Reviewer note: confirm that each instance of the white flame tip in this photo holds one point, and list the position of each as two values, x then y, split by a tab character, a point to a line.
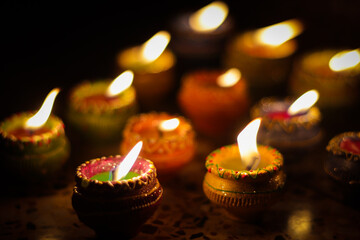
40	118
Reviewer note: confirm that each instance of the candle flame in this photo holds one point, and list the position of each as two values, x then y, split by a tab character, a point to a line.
124	167
154	47
43	114
169	125
344	60
304	102
247	145
209	17
121	83
229	78
277	34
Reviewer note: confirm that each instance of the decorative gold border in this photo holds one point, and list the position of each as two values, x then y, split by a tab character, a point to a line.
126	184
275	166
56	129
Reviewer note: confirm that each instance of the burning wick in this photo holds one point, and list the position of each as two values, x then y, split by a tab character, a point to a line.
124	167
304	102
120	84
40	118
246	139
168	126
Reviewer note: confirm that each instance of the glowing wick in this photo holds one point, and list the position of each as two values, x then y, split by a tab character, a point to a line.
209	17
279	33
169	125
154	47
246	139
304	102
229	78
121	83
124	167
344	60
43	114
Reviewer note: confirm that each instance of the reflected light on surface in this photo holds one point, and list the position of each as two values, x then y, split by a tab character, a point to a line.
300	222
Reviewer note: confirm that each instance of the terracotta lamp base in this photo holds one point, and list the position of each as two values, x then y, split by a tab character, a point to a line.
116	208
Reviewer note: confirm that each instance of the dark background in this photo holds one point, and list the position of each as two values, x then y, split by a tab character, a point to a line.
59	44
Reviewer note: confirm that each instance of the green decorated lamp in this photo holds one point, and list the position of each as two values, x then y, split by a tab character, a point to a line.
99	110
34	147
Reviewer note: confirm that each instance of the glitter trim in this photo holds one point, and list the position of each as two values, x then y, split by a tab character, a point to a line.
121	185
334	146
274	167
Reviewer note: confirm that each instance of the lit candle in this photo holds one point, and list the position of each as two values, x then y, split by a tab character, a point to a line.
214	100
342	163
169	140
121	204
34	146
202	34
335	74
264	56
99	110
289	125
244	178
153	67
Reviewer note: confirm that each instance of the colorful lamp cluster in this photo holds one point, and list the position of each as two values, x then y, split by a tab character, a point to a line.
119	193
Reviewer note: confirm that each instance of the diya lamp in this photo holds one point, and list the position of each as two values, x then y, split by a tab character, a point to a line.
264	56
214	100
169	141
244	178
202	34
34	146
335	74
290	126
343	161
99	110
153	67
116	195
